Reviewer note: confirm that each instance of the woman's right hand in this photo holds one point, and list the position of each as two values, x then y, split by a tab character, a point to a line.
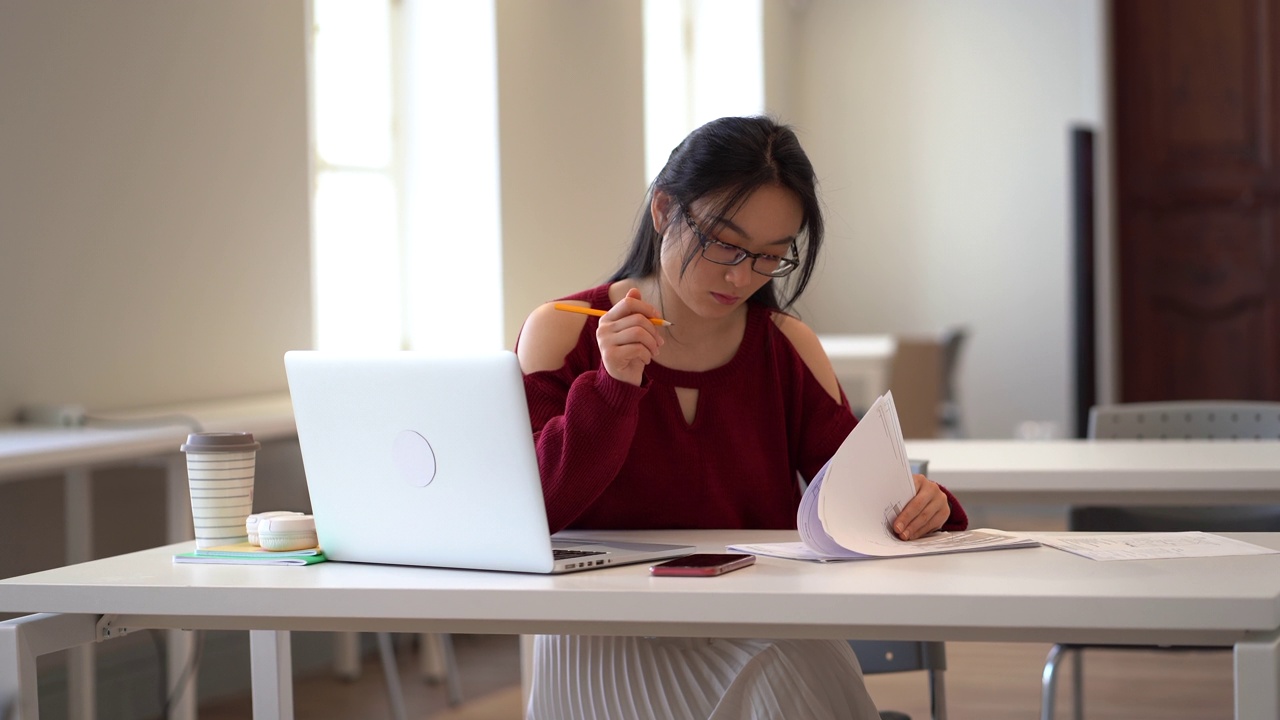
627	340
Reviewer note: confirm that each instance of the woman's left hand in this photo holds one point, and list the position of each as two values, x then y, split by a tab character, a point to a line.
926	512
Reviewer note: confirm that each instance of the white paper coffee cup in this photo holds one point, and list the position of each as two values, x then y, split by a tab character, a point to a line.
220	468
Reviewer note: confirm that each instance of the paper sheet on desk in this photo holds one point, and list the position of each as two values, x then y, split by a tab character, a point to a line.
1149	546
847	510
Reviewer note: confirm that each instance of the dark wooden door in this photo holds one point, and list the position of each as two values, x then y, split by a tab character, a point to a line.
1197	143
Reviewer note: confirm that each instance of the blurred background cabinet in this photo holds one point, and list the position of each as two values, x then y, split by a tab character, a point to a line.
1197	144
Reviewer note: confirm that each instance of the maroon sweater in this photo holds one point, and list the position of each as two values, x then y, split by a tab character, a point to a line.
616	456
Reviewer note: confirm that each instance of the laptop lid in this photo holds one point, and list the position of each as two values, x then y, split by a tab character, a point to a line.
421	459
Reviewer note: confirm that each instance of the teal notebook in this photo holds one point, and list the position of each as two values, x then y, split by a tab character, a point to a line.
246	554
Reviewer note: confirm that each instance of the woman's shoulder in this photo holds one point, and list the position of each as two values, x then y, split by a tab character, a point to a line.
596	297
809	348
549	335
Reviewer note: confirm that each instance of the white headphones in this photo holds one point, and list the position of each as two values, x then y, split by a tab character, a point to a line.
281	530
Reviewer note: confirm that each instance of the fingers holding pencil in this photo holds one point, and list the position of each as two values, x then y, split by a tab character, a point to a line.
627	336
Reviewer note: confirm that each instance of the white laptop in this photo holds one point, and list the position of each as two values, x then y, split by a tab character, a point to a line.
417	459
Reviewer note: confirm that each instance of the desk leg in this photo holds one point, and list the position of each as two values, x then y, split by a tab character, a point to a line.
82	696
1257	673
346	655
180	646
24	639
272	663
19	696
180	643
437	663
431	662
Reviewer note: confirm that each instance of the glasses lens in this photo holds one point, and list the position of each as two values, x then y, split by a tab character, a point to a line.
718	252
773	266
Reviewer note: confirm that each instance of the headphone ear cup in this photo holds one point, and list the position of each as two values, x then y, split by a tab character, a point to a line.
253	521
287	532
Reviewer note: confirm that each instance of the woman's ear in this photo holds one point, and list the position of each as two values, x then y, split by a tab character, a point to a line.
660	210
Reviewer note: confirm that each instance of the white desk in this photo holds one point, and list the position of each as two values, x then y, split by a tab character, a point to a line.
1104	472
1031	595
27	452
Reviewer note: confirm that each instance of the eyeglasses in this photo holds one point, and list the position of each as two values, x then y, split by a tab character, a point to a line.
722	253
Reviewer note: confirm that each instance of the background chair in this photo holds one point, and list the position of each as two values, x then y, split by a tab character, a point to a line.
914	377
1227	421
887	656
949	417
443	645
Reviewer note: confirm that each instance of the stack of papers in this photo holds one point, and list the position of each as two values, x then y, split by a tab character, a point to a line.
246	554
847	510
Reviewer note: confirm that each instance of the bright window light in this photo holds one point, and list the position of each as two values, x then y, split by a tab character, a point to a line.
353	93
666	82
703	59
452	210
356	262
406	230
727	58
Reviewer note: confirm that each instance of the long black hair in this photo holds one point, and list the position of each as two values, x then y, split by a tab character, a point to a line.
728	159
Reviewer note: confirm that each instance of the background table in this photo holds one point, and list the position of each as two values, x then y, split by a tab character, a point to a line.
27	451
1032	595
1104	472
144	435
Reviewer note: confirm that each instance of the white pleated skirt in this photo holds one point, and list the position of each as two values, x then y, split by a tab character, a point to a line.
636	678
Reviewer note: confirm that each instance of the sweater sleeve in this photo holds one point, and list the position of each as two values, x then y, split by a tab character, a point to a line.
582	428
959	519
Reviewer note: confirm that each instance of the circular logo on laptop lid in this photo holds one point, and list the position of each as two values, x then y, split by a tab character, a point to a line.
414	458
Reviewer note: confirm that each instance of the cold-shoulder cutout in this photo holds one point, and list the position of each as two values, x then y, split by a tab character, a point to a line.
807	345
547	337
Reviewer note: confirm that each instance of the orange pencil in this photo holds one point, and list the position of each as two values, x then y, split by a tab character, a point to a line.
593	311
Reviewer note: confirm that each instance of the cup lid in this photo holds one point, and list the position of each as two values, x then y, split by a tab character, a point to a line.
220	442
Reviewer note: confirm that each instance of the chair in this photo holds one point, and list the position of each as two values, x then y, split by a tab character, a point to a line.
915	374
887	656
1226	421
391	671
949	418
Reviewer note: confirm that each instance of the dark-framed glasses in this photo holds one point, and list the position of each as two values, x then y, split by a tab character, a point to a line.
723	253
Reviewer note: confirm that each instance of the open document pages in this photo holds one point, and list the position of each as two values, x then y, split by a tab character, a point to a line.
848	508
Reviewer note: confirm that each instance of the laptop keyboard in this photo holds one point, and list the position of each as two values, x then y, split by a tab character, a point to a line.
563	554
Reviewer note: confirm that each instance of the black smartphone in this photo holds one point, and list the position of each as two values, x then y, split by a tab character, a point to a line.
703	564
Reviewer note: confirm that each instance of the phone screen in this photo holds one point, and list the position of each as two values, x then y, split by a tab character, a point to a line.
703	564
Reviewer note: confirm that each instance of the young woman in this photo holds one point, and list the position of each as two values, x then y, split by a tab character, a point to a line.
703	423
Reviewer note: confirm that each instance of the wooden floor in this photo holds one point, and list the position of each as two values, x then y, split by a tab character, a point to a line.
984	681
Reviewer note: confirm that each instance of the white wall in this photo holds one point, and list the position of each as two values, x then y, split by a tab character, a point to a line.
571	145
153	178
939	131
154	222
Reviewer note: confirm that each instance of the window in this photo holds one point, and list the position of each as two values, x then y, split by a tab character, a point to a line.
703	59
357	243
406	231
407	228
